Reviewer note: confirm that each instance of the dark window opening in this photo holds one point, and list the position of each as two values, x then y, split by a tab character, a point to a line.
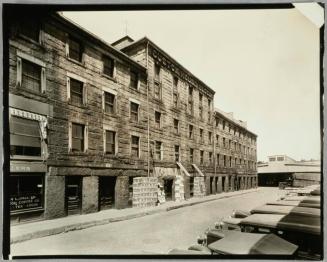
77	137
75	49
134	111
176	126
176	153
31	76
134	80
110	142
135	146
157	116
108	66
76	91
31	29
109	102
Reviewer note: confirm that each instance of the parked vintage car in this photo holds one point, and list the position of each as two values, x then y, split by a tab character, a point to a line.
294	203
284	210
304	231
238	243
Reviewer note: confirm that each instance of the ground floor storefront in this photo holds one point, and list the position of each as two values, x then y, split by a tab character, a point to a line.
53	192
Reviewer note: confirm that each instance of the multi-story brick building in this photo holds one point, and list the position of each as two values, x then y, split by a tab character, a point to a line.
87	117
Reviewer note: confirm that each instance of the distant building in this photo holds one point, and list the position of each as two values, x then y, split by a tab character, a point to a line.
280	168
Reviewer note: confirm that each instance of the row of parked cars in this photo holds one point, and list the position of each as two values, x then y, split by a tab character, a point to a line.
290	226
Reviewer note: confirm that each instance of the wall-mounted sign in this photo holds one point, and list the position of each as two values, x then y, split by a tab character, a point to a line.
18	203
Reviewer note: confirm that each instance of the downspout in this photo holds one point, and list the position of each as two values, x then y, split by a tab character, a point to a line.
147	98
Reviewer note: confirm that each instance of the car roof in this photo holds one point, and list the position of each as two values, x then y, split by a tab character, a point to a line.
283	210
289	222
252	243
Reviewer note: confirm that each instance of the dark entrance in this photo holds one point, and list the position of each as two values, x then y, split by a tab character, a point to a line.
130	191
191	186
73	195
211	187
223	183
216	184
107	192
168	188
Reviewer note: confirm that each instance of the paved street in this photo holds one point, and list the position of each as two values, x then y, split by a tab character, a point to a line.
151	234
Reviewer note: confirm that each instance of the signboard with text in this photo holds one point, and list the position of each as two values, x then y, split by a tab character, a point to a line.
19	203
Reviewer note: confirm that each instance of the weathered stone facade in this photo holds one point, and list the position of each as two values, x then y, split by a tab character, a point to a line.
175	121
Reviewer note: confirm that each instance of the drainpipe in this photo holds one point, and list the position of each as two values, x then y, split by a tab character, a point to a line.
147	98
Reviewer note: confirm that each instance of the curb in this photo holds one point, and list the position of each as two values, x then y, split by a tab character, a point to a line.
84	225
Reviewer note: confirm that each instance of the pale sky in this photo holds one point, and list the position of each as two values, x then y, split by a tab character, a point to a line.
262	64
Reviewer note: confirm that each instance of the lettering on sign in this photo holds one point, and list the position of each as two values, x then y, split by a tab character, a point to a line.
18	203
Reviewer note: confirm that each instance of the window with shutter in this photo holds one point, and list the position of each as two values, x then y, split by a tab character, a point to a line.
25	138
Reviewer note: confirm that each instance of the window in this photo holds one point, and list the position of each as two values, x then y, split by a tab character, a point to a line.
27	187
25	139
175	92
210	158
176	126
191	155
218	164
156	72
75	49
190	100
31	29
110	142
134	80
175	83
158	150
224	125
157	118
77	137
217	140
31	76
109	102
201	134
217	122
229	144
135	146
224	142
280	158
176	153
201	157
134	112
190	130
175	100
76	91
210	137
200	106
230	161
157	90
108	66
224	161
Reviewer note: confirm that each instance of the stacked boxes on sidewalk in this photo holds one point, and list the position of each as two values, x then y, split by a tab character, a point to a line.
90	122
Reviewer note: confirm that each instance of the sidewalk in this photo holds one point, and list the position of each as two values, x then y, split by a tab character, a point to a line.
24	232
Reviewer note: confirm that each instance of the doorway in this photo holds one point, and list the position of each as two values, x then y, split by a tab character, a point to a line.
191	186
168	188
107	192
211	185
73	195
223	184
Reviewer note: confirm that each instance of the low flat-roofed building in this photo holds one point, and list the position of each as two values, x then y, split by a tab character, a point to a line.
280	168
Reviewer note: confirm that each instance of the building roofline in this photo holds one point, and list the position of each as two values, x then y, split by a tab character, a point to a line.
99	40
122	39
146	39
233	120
